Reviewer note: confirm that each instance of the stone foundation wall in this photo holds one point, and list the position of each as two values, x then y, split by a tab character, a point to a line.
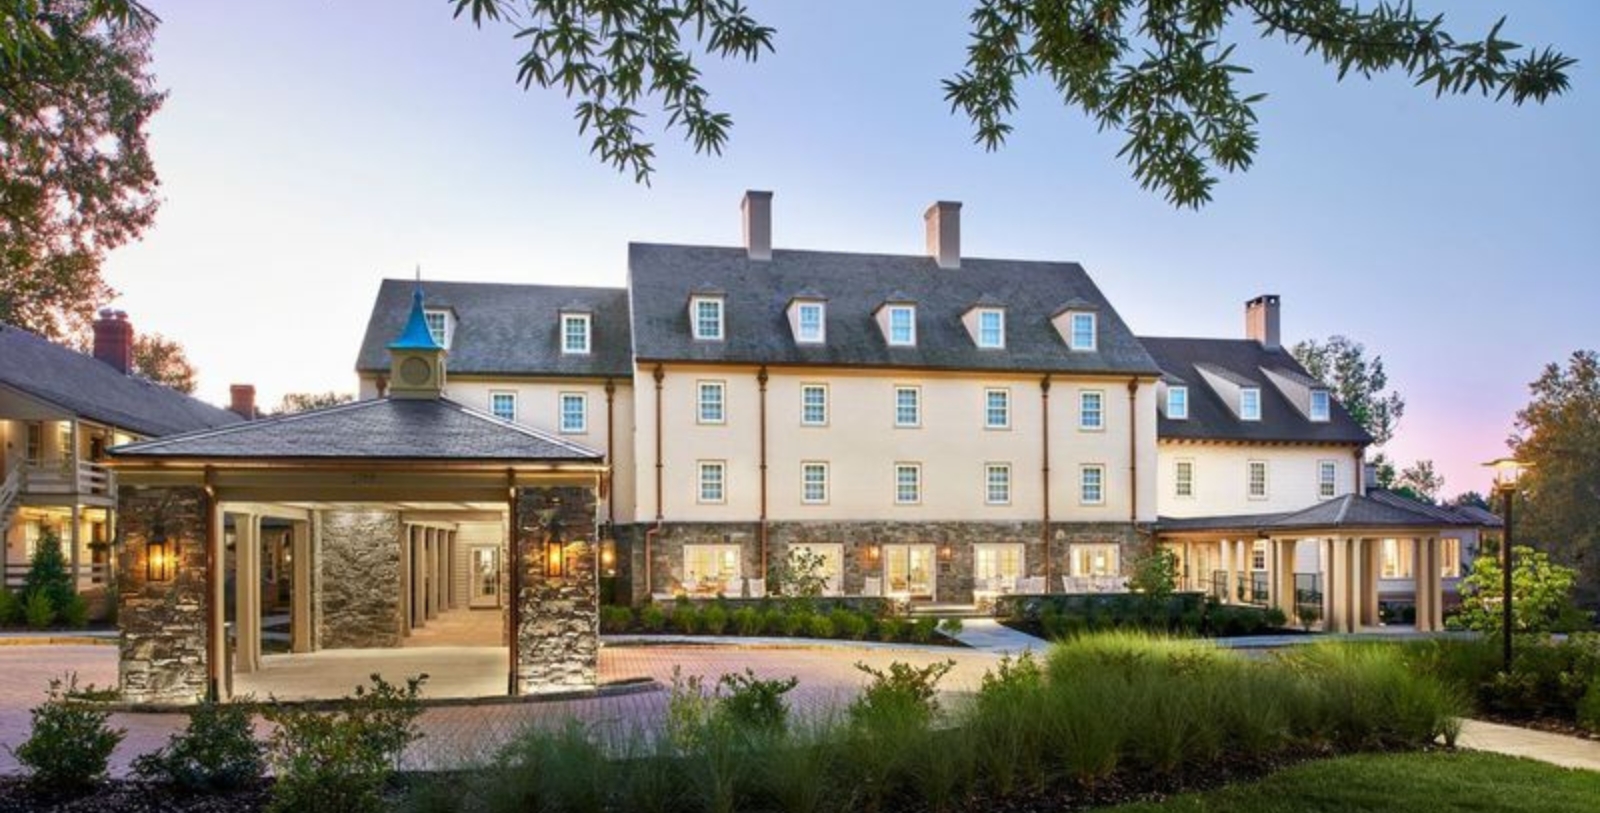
558	632
162	646
358	579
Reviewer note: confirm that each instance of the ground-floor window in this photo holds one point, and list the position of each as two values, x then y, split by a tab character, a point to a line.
709	568
1258	555
1397	559
997	566
1450	559
831	564
1101	559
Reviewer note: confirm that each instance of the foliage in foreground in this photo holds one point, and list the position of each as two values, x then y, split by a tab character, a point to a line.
342	759
1541	594
1550	678
70	743
216	753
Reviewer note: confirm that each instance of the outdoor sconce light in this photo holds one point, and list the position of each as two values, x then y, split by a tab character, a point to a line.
158	561
873	552
608	556
552	557
946	553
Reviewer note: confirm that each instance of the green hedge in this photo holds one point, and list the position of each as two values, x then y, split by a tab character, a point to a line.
1071	615
1551	677
849	620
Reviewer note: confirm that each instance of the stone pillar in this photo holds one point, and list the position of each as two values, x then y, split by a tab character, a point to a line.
1370	573
162	646
300	606
558	630
359	570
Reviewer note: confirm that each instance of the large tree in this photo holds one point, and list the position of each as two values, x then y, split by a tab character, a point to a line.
1558	437
1162	72
76	179
1360	383
163	361
293	402
1420	481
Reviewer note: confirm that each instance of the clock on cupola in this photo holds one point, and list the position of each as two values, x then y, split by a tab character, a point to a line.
416	360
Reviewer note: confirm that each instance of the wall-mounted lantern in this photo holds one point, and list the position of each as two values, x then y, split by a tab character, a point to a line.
874	552
946	553
553	556
608	556
159	561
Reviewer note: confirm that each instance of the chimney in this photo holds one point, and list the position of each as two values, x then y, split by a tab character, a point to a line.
757	209
943	220
242	400
1261	321
113	340
1369	478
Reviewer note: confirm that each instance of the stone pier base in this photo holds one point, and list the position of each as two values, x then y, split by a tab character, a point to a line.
162	648
558	635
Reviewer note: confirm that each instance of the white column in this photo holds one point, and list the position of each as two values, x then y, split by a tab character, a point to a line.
434	594
300	601
216	605
1369	577
1331	575
247	592
75	535
1358	587
419	580
1436	578
1419	578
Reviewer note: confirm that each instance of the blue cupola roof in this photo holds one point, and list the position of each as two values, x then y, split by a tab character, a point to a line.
416	335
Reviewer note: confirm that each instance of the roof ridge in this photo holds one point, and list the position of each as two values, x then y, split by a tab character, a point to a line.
199	434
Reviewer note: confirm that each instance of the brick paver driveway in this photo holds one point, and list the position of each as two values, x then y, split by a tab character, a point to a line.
457	734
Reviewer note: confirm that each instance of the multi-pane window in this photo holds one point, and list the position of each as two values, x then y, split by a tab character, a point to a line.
1250	404
1327	479
575	333
1083	331
712	402
1320	405
813	483
997	409
997	483
710	565
1178	403
1257	480
814	404
907	483
1450	559
1397	560
713	481
574	412
808	322
1183	481
902	325
503	405
997	561
707	313
1097	559
992	328
1092	485
907	406
438	326
1258	555
1091	410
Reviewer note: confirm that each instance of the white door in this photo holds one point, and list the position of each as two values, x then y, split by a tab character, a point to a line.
485	576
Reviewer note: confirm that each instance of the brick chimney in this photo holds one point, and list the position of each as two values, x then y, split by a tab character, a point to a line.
113	340
1261	321
242	400
757	210
943	221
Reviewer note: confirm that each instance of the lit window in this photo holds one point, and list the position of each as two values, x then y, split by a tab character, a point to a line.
902	325
1319	405
575	333
907	406
1083	331
1096	560
503	405
830	557
713	481
809	322
1091	410
711	566
992	328
813	483
997	409
1092	485
907	483
1397	559
1450	559
1250	404
1178	403
707	318
438	326
1258	555
997	484
991	562
1184	481
814	404
1258	480
712	402
574	412
1327	479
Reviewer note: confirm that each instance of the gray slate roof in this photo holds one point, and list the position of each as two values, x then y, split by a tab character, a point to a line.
92	389
1378	508
507	329
380	429
662	277
1243	361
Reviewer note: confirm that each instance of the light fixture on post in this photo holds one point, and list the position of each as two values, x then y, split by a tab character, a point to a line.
158	559
1507	471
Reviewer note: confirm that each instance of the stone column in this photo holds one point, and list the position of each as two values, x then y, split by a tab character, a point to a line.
359	566
162	643
558	630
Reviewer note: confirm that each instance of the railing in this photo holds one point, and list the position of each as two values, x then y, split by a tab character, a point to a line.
66	477
10	488
1253	588
90	574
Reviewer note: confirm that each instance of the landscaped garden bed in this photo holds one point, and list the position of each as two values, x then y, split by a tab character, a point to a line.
1058	616
1553	685
846	619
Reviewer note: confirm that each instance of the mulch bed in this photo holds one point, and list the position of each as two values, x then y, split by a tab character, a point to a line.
1549	725
126	796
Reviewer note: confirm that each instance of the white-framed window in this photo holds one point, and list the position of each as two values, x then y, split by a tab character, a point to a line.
1250	404
814	404
1092	484
1256	479
1327	479
814	482
832	561
997	483
1321	405
1258	555
1183	479
907	483
991	328
710	565
996	408
574	412
707	321
711	403
1096	559
503	405
1091	410
902	325
1397	561
713	482
1450	559
810	323
438	326
1178	403
575	333
1003	562
907	406
1084	331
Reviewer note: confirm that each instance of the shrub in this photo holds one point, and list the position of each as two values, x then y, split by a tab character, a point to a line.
746	621
1276	618
217	752
901	690
922	628
714	620
10	608
755	704
1308	615
1541	592
47	577
615	619
652	618
951	627
795	622
774	621
891	628
1589	708
850	625
70	744
341	759
819	626
685	618
40	612
75	613
1155	574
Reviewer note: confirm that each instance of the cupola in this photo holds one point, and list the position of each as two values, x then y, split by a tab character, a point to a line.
416	361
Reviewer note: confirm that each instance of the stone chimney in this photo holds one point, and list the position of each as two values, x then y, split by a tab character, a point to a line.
242	400
943	220
1261	321
113	340
757	209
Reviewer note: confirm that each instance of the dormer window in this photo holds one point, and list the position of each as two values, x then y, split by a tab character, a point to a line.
902	325
1178	403
809	323
439	326
1084	331
575	333
1320	405
991	328
1250	404
706	318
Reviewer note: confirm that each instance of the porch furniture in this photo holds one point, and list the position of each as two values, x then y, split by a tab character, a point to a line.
872	586
756	587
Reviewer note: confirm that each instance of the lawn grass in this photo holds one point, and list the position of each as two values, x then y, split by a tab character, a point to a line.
1377	783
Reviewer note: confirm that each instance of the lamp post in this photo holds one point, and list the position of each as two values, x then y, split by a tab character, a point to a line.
1506	473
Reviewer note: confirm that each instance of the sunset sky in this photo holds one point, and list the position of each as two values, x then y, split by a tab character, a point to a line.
309	149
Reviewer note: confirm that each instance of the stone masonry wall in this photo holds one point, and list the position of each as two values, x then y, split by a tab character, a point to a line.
558	634
358	579
162	646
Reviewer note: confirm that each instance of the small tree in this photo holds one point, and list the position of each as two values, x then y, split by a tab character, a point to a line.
1155	574
801	574
47	575
1541	593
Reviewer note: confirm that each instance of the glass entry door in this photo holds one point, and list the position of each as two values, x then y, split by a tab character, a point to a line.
485	576
909	570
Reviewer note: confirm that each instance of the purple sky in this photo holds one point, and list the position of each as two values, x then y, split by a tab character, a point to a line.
309	149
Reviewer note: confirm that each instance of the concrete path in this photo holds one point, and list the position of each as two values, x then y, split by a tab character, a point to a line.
1556	749
992	637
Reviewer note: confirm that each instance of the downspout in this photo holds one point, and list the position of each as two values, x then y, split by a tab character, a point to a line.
1044	530
1361	471
611	454
514	612
1133	451
761	378
659	375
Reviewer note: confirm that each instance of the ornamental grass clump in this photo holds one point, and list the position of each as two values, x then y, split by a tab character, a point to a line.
1365	696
